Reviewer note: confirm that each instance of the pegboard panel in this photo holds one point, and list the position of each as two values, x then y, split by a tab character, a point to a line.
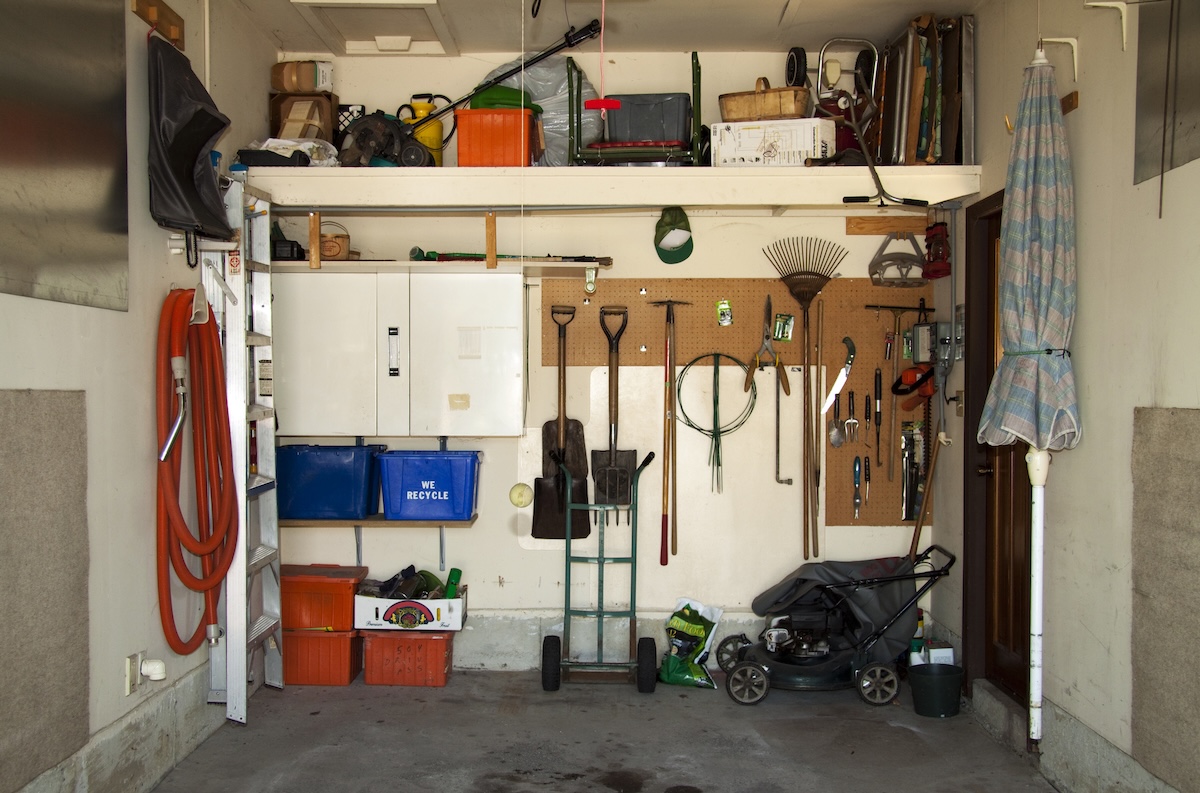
841	306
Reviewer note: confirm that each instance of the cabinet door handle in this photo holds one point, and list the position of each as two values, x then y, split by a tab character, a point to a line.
393	352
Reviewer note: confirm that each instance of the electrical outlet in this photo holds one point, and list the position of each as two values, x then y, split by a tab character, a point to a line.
133	672
959	408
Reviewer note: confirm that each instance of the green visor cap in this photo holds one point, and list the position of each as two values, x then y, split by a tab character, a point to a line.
673	236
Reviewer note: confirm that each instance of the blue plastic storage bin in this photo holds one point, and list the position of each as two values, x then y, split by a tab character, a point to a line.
327	482
429	485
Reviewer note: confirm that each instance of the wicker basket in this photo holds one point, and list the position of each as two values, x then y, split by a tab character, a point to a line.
765	103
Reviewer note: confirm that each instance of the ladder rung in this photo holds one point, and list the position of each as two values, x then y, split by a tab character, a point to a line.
605	560
257	484
257	267
257	412
263	627
259	558
257	339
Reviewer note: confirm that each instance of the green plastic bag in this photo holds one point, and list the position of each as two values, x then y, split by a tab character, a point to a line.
690	632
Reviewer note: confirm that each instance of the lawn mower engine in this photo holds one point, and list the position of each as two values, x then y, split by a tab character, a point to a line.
803	634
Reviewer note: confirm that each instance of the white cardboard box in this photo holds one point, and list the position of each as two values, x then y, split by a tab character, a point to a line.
410	615
940	653
765	143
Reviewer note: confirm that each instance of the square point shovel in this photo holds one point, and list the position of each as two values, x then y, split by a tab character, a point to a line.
613	469
562	448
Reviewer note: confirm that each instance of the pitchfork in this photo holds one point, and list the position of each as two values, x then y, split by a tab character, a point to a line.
851	425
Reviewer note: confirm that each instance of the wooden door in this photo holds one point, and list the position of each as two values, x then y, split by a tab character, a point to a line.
996	487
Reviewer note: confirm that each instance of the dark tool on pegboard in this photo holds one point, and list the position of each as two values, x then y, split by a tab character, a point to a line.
766	354
613	470
670	515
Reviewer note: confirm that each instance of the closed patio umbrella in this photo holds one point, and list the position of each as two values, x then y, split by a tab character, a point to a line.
1032	394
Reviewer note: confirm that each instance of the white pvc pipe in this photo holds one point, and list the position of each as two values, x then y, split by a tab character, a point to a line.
1038	462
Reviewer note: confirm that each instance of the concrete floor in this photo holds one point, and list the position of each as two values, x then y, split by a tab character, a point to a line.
498	732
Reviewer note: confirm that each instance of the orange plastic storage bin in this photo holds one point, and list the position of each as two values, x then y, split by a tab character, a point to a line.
319	595
495	137
321	658
407	659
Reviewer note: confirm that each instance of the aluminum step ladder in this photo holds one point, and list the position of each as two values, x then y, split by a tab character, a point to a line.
249	652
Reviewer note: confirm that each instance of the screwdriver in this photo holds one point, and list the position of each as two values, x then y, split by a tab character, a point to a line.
867	478
878	414
857	485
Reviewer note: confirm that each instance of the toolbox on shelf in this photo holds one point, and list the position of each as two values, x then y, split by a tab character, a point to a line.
327	482
646	117
500	136
435	485
318	597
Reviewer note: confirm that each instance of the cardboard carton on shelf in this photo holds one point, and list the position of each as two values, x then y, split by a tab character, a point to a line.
304	115
443	614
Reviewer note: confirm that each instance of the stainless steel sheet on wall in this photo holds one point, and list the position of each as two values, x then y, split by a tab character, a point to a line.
1168	88
63	201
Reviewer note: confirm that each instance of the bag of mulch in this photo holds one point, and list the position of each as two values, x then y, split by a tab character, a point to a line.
690	632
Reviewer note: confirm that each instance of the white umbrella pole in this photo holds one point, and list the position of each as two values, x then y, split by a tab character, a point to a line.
1038	461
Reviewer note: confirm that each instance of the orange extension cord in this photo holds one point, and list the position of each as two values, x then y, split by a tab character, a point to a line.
216	495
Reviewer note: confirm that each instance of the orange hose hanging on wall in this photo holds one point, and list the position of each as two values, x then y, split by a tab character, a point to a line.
196	350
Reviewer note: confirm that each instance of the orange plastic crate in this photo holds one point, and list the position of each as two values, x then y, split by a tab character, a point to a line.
321	658
407	659
495	137
319	595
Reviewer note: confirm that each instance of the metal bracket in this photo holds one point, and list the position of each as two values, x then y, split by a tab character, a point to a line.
589	284
1121	6
1074	42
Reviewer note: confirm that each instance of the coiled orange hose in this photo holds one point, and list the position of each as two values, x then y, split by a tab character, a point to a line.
216	493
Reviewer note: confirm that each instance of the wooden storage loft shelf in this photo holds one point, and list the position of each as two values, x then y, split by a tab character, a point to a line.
525	190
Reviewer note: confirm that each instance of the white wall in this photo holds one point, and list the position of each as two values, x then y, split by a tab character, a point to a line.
110	356
1131	344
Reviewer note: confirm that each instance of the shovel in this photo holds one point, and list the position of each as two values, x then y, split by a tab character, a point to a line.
836	434
562	441
613	470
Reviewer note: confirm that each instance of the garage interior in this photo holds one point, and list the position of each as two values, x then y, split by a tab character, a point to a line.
80	304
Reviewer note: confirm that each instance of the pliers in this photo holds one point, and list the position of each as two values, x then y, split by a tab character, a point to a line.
766	353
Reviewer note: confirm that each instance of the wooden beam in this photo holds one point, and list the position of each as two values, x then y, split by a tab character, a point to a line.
314	240
490	232
878	226
162	18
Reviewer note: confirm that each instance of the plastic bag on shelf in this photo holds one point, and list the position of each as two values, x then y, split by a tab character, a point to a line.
546	83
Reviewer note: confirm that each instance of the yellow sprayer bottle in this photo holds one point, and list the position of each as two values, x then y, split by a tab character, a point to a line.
428	134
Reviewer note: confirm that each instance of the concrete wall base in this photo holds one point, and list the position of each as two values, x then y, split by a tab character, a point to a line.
134	753
1072	757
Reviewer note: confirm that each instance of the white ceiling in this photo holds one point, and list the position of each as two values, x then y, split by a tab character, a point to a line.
466	26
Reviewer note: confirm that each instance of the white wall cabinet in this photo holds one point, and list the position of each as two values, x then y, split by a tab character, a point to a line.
394	354
467	354
341	356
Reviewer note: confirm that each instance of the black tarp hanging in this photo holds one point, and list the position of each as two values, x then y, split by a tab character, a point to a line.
185	124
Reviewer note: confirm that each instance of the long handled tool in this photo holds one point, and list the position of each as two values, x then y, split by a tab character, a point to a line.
805	265
613	470
562	440
670	518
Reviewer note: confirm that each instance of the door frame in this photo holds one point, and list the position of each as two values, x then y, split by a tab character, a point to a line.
977	380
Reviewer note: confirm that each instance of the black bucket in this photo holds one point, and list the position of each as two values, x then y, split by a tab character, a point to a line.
935	689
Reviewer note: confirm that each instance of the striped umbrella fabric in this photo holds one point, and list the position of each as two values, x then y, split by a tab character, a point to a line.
1032	394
